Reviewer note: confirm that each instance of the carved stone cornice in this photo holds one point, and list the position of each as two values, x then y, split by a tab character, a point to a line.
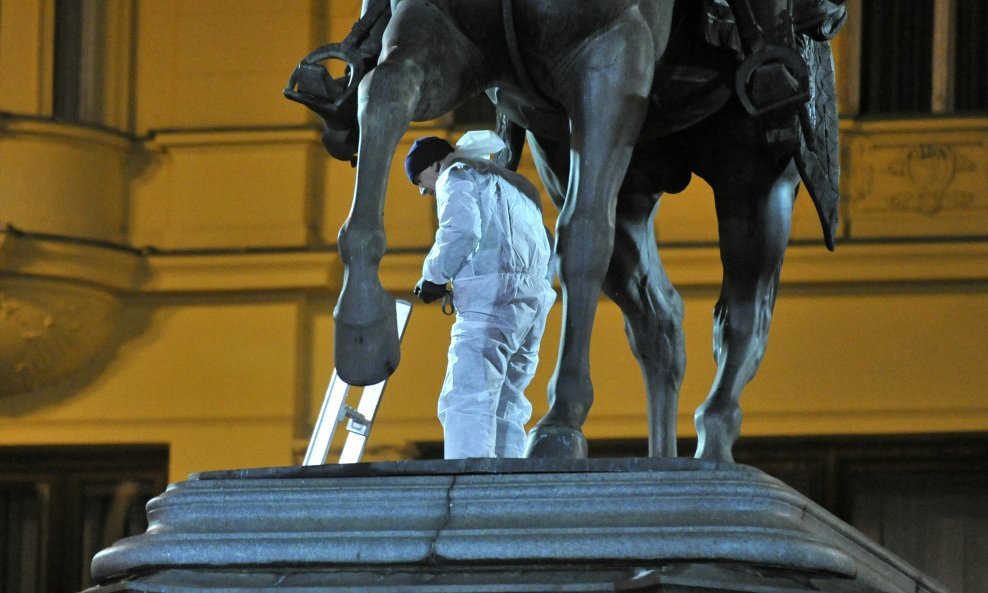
851	263
238	272
111	268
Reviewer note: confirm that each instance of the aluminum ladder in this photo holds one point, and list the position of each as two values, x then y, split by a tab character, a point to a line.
359	420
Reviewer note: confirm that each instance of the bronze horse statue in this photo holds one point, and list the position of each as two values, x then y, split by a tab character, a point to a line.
620	100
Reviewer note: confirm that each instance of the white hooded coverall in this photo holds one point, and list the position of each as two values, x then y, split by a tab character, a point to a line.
493	246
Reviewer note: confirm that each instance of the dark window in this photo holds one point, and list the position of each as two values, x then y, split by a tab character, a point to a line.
61	505
80	43
23	535
971	56
896	57
68	59
937	521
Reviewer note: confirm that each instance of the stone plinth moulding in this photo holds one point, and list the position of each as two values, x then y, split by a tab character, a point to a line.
498	526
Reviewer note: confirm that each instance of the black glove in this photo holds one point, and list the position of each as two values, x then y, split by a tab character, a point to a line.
429	291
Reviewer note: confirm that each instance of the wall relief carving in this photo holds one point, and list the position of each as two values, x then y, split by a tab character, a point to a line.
60	310
922	182
932	169
923	178
50	330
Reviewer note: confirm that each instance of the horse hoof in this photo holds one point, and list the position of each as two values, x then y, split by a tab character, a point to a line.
717	429
367	354
715	440
718	452
557	442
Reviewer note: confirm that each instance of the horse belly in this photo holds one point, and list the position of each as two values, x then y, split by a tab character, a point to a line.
515	105
550	30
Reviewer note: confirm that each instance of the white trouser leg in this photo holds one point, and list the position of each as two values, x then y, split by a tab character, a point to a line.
475	372
514	409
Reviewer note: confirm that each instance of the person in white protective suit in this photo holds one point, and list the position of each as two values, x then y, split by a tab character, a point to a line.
492	245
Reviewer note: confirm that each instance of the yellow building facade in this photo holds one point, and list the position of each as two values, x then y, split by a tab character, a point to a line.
168	270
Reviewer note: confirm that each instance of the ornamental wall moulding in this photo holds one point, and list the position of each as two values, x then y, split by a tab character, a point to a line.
931	178
50	330
60	308
918	184
50	168
931	170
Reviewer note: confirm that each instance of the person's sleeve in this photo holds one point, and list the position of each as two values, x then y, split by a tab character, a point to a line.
459	227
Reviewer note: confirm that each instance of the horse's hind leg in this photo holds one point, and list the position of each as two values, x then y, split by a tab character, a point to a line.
754	214
653	314
606	104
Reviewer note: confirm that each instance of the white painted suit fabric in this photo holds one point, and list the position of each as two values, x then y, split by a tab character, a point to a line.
492	244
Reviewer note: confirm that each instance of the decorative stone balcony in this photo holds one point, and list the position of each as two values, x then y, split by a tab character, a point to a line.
59	302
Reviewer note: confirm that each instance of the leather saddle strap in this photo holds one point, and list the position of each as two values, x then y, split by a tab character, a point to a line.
750	33
365	23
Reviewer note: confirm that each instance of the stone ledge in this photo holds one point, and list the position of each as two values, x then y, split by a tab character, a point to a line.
186	138
590	523
123	269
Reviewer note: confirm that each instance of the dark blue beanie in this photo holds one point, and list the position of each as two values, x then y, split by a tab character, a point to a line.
424	152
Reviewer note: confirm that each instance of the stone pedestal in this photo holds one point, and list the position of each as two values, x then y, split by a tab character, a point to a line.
488	525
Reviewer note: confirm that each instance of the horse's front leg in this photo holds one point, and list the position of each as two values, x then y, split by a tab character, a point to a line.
606	101
426	67
754	215
366	348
